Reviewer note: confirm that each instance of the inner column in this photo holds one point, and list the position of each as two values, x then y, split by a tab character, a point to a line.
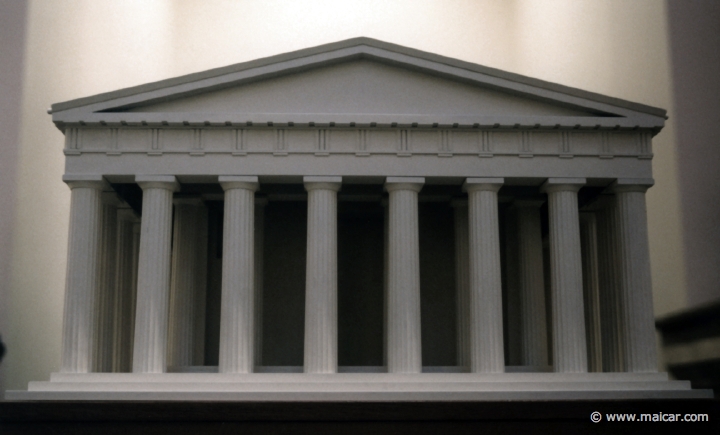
188	282
534	349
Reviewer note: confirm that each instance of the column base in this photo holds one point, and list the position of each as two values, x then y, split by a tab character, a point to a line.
362	387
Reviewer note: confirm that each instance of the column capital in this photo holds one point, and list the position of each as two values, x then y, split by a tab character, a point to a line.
404	183
247	182
168	182
324	183
622	185
563	185
90	181
479	184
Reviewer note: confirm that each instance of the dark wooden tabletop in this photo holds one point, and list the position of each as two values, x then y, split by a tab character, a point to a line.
77	417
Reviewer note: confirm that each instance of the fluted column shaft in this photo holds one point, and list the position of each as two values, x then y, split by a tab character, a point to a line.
591	289
321	275
153	288
137	229
237	311
404	351
462	281
82	273
200	296
635	282
569	346
612	341
186	280
123	305
106	292
533	336
486	323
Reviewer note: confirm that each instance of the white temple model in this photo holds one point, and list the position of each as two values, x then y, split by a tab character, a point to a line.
357	221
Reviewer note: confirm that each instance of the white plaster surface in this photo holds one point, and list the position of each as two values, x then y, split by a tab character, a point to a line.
357	386
153	288
81	283
237	318
590	44
196	138
486	326
321	300
404	353
638	325
566	288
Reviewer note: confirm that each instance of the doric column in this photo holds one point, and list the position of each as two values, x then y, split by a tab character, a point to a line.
608	285
105	297
638	326
566	285
123	305
486	322
260	204
187	279
462	280
591	289
533	336
82	272
153	287
237	310
404	352
321	275
201	280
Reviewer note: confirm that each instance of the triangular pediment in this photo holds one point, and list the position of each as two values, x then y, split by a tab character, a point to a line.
363	87
358	81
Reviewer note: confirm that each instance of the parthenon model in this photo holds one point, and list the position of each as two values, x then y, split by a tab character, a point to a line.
357	221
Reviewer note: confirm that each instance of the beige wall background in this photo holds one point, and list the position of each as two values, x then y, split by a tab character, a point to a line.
77	48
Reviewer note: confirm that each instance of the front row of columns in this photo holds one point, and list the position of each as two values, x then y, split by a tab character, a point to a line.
480	321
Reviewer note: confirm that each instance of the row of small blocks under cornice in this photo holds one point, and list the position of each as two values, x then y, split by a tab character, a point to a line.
345	125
